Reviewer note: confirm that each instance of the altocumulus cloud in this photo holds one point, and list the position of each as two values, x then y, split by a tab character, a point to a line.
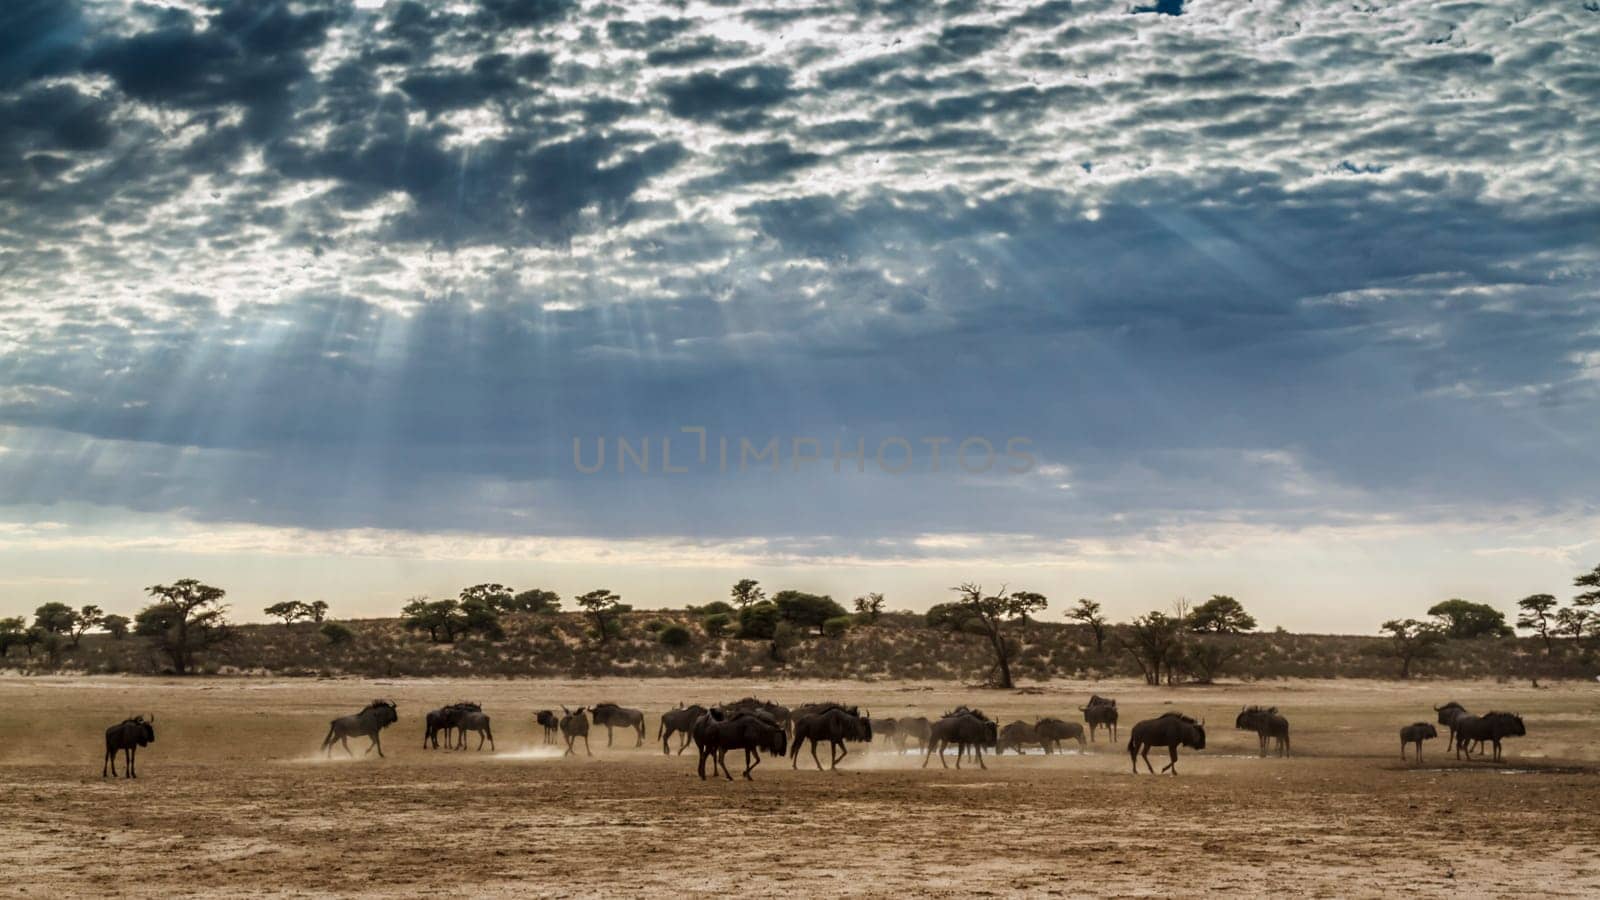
314	266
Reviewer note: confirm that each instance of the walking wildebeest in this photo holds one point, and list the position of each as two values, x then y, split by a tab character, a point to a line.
445	719
1267	724
548	721
965	728
1491	726
1416	733
473	718
681	721
717	732
378	715
613	716
834	724
909	727
1013	736
1101	711
574	725
777	712
128	736
1168	730
884	728
1051	732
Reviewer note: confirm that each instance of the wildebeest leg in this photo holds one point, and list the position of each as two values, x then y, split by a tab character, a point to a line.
722	762
750	766
586	749
127	767
814	754
608	737
684	744
843	752
702	767
345	740
640	742
1172	749
1133	755
110	760
1145	752
378	743
570	751
977	751
927	754
1496	749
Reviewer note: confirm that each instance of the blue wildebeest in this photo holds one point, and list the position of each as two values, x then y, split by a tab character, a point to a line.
1416	733
678	721
548	721
378	715
1268	726
574	725
719	731
613	716
1169	730
1491	726
834	724
967	729
1052	732
1101	711
473	718
128	736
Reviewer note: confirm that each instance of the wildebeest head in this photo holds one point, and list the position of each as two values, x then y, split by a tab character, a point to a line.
1507	724
545	717
1200	735
1450	712
143	730
777	740
384	711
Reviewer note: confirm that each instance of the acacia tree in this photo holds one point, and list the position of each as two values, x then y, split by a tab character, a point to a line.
54	618
493	595
289	611
988	614
1590	580
1221	615
1464	619
316	610
747	593
90	616
606	609
1153	641
1536	617
116	626
869	608
1573	621
187	618
1411	640
441	619
1087	612
534	601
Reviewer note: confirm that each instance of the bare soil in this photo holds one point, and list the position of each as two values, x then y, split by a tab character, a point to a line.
233	798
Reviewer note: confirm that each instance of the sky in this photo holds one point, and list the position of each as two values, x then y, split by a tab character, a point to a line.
1293	301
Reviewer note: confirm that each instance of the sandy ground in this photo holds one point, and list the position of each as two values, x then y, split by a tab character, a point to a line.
232	799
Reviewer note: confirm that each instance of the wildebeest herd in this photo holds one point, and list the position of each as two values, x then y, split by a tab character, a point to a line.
756	726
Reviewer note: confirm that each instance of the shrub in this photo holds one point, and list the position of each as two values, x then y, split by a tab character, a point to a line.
758	621
836	626
674	636
717	624
654	625
337	633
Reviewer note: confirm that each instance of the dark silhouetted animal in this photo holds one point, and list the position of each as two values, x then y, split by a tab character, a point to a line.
777	712
1267	725
574	725
912	728
613	716
546	718
1448	714
444	719
1169	730
1416	733
378	715
834	724
678	721
1491	726
1051	732
1101	712
718	731
473	718
1014	737
884	728
968	729
128	736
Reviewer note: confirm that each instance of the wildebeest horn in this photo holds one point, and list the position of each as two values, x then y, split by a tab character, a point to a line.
565	710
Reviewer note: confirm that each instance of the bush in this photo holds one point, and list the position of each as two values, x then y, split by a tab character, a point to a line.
674	636
717	624
654	625
712	608
336	633
837	626
758	621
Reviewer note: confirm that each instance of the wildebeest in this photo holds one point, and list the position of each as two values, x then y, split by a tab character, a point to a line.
128	736
1416	733
966	728
910	727
378	715
680	720
613	716
834	724
1448	714
1014	736
546	718
1169	730
574	725
1051	732
1491	726
884	728
1101	711
1267	724
473	718
719	731
444	719
775	711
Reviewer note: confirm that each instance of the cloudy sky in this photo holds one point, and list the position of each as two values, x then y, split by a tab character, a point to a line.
1296	301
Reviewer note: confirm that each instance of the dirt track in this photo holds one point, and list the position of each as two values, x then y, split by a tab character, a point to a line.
232	799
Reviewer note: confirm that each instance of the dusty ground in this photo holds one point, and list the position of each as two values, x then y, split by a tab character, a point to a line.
232	799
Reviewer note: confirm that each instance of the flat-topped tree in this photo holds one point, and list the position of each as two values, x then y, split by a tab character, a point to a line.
1538	616
1411	640
1590	580
1220	615
605	608
1087	613
186	618
90	616
987	614
747	592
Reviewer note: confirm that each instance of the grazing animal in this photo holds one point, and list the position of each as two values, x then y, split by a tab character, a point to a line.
1491	726
473	718
834	724
967	729
1267	725
574	725
378	715
1169	730
128	736
1052	732
1101	712
1014	736
912	727
679	721
718	731
613	716
1416	733
546	718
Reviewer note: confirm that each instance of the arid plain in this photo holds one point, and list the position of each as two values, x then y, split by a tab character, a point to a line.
234	799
